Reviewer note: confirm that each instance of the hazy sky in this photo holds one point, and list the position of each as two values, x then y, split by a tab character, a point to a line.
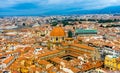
31	7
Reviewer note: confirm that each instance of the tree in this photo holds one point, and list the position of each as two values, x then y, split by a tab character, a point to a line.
91	20
70	34
24	24
54	23
80	22
82	19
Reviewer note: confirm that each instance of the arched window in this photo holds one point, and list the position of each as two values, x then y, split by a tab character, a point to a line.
70	34
56	38
62	38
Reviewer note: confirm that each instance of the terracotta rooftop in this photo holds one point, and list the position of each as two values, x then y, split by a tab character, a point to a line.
57	31
83	46
56	60
48	53
8	60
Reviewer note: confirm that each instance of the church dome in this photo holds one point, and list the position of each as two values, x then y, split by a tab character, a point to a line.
57	31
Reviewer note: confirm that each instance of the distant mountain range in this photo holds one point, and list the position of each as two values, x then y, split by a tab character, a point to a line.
75	11
107	10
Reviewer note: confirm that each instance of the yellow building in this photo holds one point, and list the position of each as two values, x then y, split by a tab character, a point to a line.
112	62
24	70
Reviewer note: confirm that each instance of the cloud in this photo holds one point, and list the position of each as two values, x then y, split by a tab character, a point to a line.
63	1
52	6
10	3
85	4
25	6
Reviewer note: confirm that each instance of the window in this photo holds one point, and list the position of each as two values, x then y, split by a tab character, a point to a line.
62	38
100	72
56	38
